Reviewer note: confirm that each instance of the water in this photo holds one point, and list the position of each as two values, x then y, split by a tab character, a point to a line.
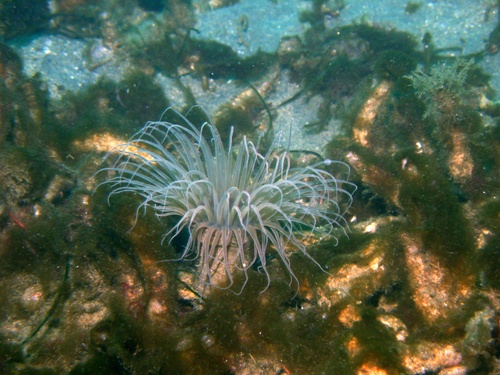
91	285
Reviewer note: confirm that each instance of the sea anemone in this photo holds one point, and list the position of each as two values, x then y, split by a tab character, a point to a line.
234	204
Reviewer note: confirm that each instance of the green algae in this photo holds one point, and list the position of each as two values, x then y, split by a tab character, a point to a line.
106	105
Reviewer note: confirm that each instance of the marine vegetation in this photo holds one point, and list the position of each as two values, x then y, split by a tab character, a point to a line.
444	90
232	204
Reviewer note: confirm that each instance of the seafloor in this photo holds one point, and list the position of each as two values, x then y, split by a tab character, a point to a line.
404	92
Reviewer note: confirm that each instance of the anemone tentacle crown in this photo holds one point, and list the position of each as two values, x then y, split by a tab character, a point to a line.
234	203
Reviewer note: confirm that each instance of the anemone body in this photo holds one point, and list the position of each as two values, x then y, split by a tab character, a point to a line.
234	202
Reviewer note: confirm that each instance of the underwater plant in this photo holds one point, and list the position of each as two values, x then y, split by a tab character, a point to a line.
444	90
233	203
